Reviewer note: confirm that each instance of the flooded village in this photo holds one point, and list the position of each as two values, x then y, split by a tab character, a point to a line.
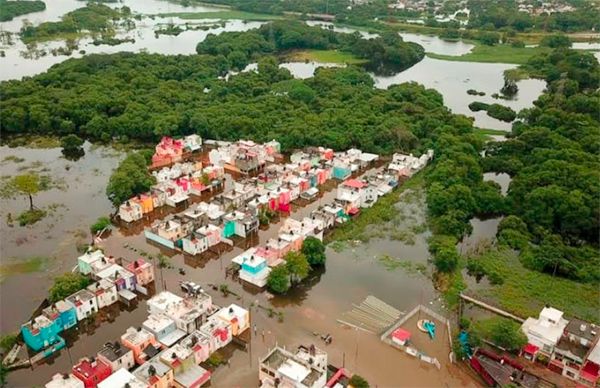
308	314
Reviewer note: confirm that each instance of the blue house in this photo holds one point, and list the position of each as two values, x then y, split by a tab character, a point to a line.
254	268
63	312
41	332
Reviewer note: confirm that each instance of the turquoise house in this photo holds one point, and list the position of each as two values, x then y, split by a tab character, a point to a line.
62	312
341	172
41	332
254	266
229	228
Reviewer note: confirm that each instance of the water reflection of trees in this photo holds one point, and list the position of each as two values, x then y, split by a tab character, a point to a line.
296	296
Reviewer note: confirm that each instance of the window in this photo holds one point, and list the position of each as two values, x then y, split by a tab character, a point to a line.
91	302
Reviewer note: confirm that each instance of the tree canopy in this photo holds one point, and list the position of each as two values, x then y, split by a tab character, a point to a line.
67	284
130	178
314	250
279	279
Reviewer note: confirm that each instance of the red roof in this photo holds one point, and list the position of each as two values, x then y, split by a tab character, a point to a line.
401	334
530	349
355	183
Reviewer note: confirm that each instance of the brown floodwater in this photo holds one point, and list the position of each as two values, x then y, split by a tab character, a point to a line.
54	238
350	275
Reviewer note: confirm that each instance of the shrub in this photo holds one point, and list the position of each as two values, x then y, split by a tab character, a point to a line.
279	280
476	106
100	224
501	112
358	382
67	284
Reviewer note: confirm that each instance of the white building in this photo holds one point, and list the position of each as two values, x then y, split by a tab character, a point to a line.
105	291
84	302
307	368
121	379
60	380
545	331
117	356
254	269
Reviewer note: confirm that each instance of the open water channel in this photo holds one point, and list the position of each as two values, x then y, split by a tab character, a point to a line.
350	274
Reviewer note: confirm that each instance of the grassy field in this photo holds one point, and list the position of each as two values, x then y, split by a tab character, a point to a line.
328	56
222	15
494	54
485	133
525	292
33	264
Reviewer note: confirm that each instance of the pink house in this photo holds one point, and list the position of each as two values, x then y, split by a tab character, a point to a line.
279	246
199	344
143	271
167	151
270	255
138	341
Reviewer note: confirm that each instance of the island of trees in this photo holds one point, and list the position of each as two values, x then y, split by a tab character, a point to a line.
12	8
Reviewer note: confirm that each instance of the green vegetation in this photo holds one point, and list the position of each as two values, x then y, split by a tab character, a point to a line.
358	381
314	251
66	285
382	212
33	264
501	112
556	41
93	18
216	359
500	53
496	111
31	216
223	15
28	185
500	331
130	178
7	342
11	8
100	224
279	279
384	54
524	292
325	56
552	157
504	15
297	265
72	147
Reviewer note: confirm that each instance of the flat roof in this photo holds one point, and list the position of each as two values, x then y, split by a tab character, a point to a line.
160	369
293	370
120	378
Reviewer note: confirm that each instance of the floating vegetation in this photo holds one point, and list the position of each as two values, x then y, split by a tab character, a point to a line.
391	263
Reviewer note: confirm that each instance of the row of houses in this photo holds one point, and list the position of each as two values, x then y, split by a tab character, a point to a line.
169	151
352	194
570	347
174	186
111	283
236	212
178	335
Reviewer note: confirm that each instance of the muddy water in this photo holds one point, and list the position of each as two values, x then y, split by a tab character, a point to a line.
75	208
502	178
349	276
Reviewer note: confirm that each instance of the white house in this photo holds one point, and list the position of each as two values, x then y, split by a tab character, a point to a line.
84	302
130	211
544	332
60	380
254	269
307	368
122	378
105	291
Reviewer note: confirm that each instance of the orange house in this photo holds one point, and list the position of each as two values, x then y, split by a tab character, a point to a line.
138	341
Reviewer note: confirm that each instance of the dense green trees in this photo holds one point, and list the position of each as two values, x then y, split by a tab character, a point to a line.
314	250
12	8
553	159
66	285
384	54
504	14
72	147
130	178
279	279
508	334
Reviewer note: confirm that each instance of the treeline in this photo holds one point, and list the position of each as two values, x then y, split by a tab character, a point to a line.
504	14
13	8
387	53
552	156
93	18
